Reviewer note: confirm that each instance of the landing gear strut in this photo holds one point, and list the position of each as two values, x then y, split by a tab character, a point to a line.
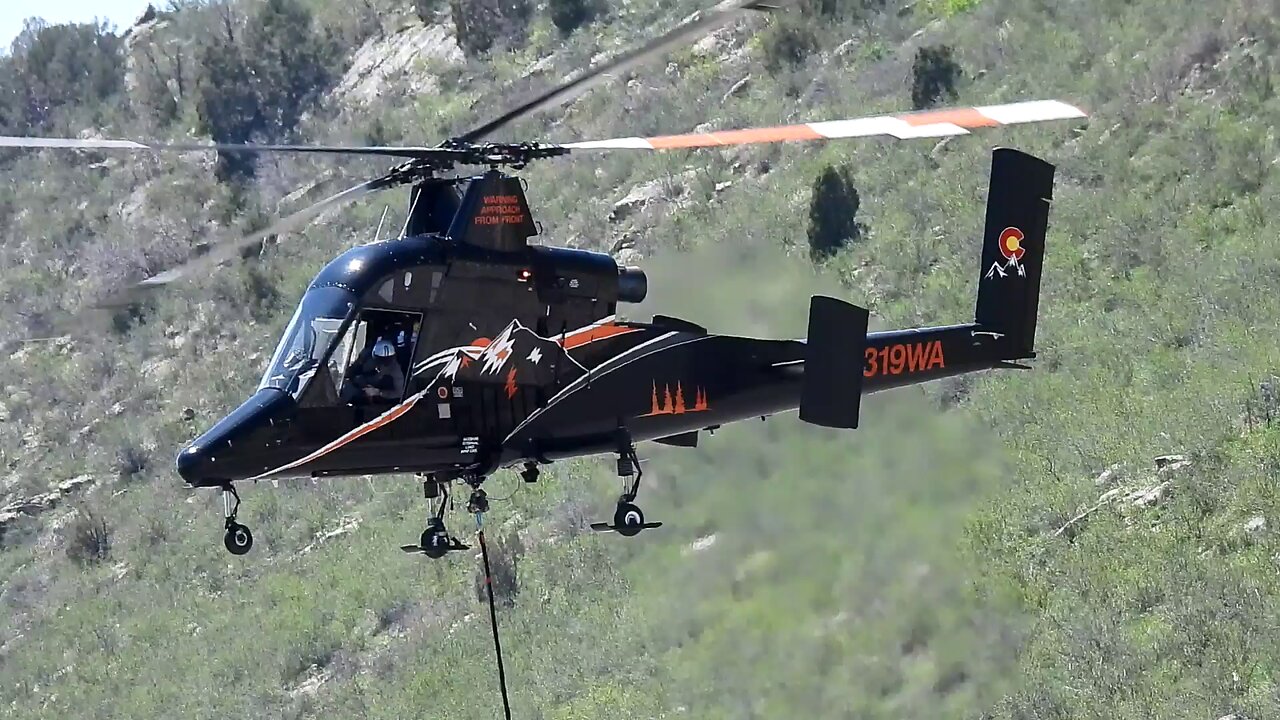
237	539
436	542
628	518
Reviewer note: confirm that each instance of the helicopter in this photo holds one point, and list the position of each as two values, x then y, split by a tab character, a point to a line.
460	348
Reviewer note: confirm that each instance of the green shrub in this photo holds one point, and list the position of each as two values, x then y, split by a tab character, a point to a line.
934	74
833	213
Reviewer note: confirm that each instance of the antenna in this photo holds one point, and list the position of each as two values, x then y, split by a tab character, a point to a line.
378	233
417	195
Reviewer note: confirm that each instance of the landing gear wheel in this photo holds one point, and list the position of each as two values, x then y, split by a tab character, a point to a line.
434	543
628	519
238	538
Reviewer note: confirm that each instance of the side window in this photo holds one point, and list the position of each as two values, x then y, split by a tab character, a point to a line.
344	354
319	384
375	367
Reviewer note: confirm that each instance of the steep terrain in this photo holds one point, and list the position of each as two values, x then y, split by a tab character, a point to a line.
1092	539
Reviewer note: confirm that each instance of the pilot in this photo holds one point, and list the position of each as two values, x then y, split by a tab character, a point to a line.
379	378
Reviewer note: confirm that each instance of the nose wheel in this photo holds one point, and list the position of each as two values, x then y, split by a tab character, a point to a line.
238	540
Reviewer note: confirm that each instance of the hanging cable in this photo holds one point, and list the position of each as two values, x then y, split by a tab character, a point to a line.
478	505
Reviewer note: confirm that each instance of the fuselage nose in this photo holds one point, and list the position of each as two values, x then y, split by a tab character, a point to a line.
231	448
191	464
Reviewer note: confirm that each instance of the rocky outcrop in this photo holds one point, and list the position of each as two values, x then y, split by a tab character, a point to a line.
1129	494
400	60
15	512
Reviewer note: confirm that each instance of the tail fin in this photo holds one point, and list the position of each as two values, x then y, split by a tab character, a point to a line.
831	395
1013	249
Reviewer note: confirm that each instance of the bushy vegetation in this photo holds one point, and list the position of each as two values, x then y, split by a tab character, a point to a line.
480	24
1003	546
833	212
58	69
933	77
569	15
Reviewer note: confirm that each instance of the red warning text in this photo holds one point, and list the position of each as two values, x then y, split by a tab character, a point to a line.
898	358
500	210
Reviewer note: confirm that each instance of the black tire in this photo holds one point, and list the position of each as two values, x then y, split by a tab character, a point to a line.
434	543
628	519
238	539
628	515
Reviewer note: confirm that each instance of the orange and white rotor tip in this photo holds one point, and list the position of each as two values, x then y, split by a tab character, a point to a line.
903	126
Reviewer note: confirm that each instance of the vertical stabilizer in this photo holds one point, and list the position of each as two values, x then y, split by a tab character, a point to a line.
1013	248
832	392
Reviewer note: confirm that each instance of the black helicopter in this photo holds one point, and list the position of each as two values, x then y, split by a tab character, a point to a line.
458	348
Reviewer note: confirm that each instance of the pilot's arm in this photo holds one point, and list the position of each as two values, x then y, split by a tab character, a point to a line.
392	384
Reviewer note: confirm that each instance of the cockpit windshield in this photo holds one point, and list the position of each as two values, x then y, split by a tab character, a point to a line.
311	333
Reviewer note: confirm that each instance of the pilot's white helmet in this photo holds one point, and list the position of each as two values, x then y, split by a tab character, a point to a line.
383	349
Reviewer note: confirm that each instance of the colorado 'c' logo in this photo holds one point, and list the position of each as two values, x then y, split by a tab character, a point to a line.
1011	244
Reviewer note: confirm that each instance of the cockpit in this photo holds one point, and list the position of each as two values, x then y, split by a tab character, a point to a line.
308	339
333	355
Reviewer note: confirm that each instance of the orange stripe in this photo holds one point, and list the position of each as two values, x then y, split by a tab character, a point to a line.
393	414
736	137
596	333
964	117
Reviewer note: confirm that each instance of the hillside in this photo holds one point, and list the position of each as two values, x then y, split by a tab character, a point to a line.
1095	538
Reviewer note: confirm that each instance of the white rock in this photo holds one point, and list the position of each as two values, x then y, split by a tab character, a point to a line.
639	196
1110	495
1256	524
67	486
347	524
1148	497
382	61
541	65
315	678
737	89
1169	463
701	544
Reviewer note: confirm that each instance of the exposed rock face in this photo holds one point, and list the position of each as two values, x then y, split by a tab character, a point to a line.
1131	497
1149	496
398	58
1169	463
640	196
651	193
14	512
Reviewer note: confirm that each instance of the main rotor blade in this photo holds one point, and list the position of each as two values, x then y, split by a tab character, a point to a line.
688	32
79	144
924	124
226	249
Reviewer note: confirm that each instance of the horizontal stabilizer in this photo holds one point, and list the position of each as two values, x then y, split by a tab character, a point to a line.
831	395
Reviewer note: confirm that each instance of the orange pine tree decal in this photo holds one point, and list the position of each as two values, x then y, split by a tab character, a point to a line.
676	405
